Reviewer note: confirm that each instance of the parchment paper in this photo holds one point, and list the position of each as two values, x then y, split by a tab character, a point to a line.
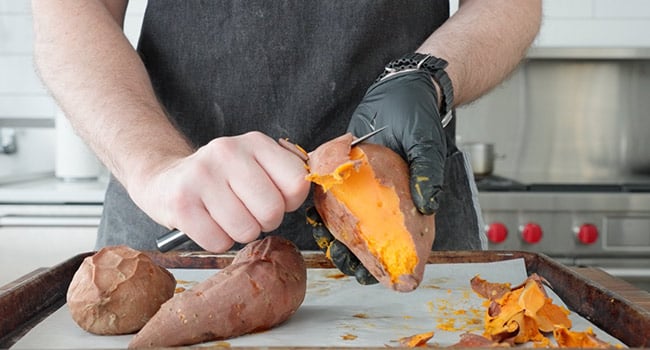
338	312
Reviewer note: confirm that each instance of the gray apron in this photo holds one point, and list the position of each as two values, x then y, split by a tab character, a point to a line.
293	69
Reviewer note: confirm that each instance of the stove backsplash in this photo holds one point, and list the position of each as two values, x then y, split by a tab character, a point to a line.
566	120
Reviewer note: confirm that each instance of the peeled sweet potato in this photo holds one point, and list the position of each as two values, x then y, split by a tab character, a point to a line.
117	290
364	199
263	287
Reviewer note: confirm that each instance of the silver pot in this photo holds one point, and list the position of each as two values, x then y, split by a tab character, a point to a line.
481	157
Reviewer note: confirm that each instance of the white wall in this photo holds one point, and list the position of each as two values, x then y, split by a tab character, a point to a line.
22	94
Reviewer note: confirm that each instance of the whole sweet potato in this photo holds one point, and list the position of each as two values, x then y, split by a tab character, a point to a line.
117	290
263	287
364	199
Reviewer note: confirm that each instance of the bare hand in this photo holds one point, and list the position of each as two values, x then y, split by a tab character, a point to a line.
228	191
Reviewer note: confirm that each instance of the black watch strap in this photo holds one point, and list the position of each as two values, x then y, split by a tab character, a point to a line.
434	66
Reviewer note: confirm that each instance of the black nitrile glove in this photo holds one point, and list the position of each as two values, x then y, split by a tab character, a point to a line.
336	251
407	103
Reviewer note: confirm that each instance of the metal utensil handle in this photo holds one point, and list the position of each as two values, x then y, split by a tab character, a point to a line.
367	136
171	240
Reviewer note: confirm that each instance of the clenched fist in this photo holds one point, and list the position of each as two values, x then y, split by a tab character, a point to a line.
229	190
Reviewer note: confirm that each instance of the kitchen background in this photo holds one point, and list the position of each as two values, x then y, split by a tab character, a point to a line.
568	129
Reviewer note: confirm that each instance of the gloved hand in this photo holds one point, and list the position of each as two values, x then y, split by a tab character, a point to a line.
407	103
336	251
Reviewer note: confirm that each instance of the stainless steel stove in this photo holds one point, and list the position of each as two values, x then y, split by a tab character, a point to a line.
572	138
603	224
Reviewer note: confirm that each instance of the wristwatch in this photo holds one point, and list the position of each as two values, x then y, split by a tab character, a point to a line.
436	68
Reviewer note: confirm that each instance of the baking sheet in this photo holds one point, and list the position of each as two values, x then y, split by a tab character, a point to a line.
338	312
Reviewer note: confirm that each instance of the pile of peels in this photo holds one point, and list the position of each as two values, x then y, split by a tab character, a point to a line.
525	313
518	315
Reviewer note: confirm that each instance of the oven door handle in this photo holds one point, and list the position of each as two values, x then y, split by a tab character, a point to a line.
48	221
629	272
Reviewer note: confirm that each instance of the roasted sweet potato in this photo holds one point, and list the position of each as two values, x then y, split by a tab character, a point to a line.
263	287
117	290
364	199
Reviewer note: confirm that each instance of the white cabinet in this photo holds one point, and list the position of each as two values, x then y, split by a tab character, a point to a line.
35	236
25	249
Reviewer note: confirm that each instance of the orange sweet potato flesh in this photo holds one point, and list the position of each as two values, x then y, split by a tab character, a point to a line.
364	199
263	287
571	339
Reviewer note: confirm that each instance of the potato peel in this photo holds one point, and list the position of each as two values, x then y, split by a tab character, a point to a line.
489	290
416	340
333	164
525	313
470	340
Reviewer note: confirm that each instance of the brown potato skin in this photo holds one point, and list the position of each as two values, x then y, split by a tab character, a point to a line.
326	158
117	290
392	171
263	287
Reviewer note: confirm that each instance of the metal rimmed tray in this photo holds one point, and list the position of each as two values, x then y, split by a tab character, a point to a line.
609	303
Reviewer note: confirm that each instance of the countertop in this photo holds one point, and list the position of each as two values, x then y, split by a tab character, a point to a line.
48	189
44	220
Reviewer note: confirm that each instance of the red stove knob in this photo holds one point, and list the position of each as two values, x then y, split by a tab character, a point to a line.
531	233
587	234
497	232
